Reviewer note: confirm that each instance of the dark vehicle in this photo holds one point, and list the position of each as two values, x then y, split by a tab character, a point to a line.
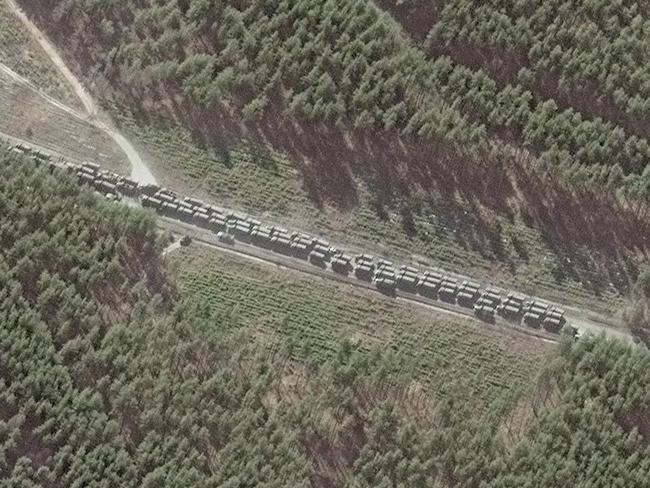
466	299
363	272
407	282
386	285
510	312
341	265
532	319
428	289
447	294
485	313
317	258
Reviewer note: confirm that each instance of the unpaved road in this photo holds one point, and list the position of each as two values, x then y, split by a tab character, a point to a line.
266	257
251	252
207	238
139	170
141	173
24	81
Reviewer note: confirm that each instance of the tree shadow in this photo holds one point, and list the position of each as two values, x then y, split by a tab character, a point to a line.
332	159
574	220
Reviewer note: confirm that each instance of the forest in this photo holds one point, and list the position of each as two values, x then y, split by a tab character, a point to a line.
350	64
110	376
113	374
394	123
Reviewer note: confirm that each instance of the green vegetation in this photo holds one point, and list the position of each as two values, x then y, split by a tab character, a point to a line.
637	313
282	307
246	175
341	61
586	45
580	66
336	117
531	170
110	376
446	230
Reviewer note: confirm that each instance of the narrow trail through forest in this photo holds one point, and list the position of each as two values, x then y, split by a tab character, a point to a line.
139	170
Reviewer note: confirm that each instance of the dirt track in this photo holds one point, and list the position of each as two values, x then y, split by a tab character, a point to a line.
141	173
575	317
139	170
269	258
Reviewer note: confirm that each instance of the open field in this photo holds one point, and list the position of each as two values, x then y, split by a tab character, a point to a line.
446	231
282	307
25	114
23	55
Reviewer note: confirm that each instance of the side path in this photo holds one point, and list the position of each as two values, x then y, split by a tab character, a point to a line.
139	170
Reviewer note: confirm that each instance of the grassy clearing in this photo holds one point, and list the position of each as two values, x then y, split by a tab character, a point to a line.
444	233
25	115
23	55
281	307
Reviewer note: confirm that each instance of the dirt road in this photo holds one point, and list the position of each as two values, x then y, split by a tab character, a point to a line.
141	173
248	251
139	170
205	237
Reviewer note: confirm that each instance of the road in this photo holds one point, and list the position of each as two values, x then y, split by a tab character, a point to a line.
171	248
140	172
205	237
248	251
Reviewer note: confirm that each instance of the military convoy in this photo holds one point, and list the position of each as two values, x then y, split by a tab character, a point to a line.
231	227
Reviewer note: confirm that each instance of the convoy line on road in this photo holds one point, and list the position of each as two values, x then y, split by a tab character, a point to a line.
208	237
141	174
270	258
